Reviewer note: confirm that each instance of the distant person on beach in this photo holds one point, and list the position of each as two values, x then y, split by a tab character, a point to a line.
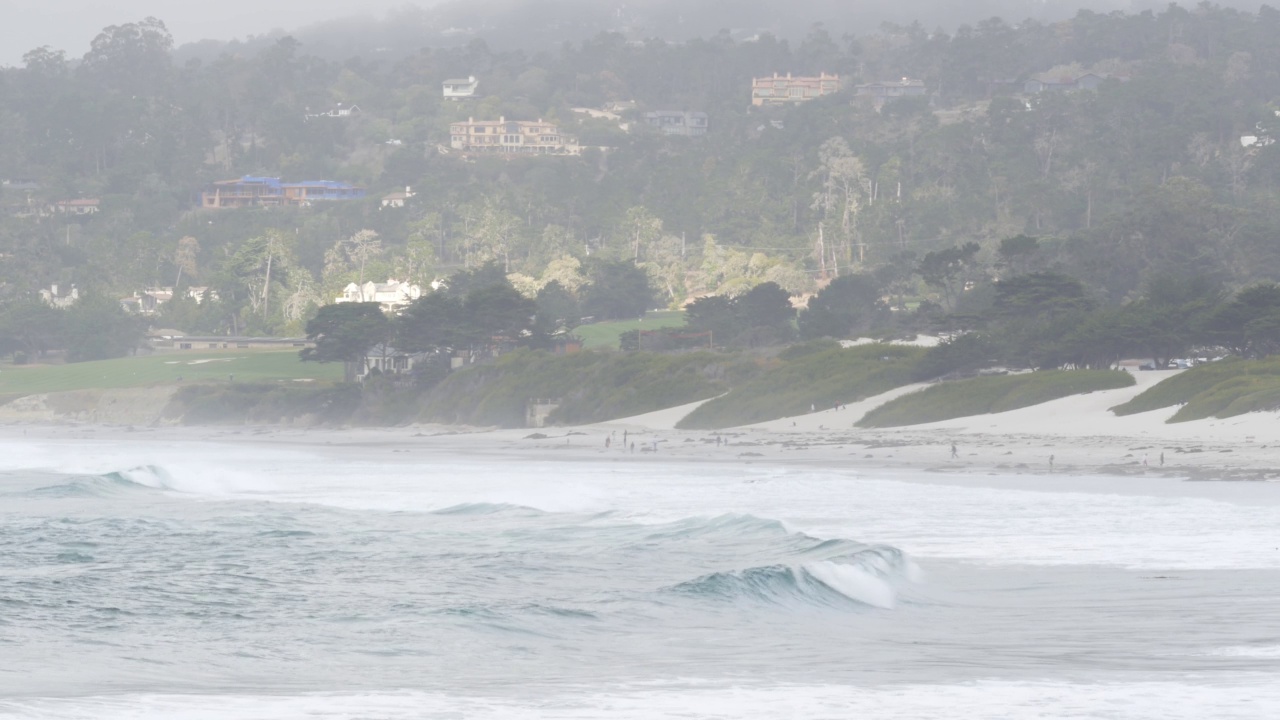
606	442
1161	458
954	453
1050	463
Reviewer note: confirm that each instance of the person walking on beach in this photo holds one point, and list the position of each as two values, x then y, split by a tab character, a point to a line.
1050	463
954	453
1161	458
1144	459
606	442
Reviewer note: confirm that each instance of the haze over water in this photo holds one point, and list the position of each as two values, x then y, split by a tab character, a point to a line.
198	580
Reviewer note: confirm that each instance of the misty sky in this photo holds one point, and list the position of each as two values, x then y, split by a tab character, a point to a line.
71	24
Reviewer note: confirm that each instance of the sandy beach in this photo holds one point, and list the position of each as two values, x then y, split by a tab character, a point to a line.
1079	433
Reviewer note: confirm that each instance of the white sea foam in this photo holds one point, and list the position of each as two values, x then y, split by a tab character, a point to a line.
1249	699
1249	651
1027	521
854	582
232	575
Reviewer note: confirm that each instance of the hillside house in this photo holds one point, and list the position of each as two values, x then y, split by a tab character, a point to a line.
337	111
150	300
79	206
906	87
147	302
676	122
783	90
250	191
460	88
1043	84
383	359
397	199
392	295
510	137
51	297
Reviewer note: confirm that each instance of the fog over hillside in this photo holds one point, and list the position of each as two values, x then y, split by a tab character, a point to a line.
339	29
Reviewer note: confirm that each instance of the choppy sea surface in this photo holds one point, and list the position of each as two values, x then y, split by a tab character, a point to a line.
199	580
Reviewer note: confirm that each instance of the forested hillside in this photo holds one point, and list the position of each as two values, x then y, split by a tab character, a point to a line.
1145	176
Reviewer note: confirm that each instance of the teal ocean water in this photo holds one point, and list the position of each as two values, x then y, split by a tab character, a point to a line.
200	580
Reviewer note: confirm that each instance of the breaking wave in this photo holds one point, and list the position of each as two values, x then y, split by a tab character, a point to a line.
137	478
868	577
147	476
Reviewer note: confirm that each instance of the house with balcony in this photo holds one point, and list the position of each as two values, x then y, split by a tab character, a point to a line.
677	122
460	88
503	136
789	90
251	191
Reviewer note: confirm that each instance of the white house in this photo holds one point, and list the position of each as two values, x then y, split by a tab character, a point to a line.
397	199
460	88
392	295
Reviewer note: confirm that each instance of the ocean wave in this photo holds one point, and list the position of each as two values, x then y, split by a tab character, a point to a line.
728	524
147	477
483	508
870	577
191	481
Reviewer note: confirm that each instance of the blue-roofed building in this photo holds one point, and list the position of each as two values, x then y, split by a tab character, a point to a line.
251	191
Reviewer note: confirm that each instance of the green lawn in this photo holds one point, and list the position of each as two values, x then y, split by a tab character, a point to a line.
607	334
163	369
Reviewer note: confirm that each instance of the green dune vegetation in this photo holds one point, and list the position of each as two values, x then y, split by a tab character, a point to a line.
813	375
588	386
983	395
1221	389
